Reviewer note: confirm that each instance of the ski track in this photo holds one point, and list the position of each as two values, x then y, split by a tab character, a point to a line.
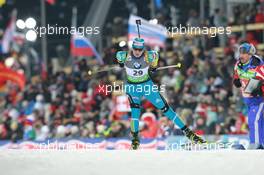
129	162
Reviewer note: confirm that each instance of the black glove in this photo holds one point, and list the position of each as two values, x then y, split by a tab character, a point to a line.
257	92
121	64
237	83
152	70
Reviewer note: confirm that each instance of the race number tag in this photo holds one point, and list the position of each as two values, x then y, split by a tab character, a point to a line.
137	72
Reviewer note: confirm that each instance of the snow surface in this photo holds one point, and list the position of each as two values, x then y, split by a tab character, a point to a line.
129	162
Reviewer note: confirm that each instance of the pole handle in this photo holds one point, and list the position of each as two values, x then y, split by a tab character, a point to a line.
138	22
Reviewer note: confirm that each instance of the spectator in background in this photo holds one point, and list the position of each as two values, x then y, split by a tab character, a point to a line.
259	18
68	105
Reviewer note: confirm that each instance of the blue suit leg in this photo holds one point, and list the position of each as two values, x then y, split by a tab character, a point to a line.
160	103
256	124
135	102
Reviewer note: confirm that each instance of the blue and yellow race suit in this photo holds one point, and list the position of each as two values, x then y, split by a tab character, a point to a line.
139	85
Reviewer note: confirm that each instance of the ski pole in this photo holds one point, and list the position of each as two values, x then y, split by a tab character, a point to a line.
178	65
138	22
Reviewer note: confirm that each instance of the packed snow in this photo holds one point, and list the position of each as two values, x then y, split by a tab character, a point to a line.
130	162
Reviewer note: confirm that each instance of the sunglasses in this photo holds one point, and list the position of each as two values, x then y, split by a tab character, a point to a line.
138	50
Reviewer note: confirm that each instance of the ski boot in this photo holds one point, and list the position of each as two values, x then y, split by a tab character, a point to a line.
192	136
135	142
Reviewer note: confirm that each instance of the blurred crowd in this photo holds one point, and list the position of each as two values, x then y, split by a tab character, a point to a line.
69	104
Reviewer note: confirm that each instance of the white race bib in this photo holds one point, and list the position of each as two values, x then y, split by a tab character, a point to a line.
136	72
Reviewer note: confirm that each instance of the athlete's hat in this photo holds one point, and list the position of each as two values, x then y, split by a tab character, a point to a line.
247	48
138	43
